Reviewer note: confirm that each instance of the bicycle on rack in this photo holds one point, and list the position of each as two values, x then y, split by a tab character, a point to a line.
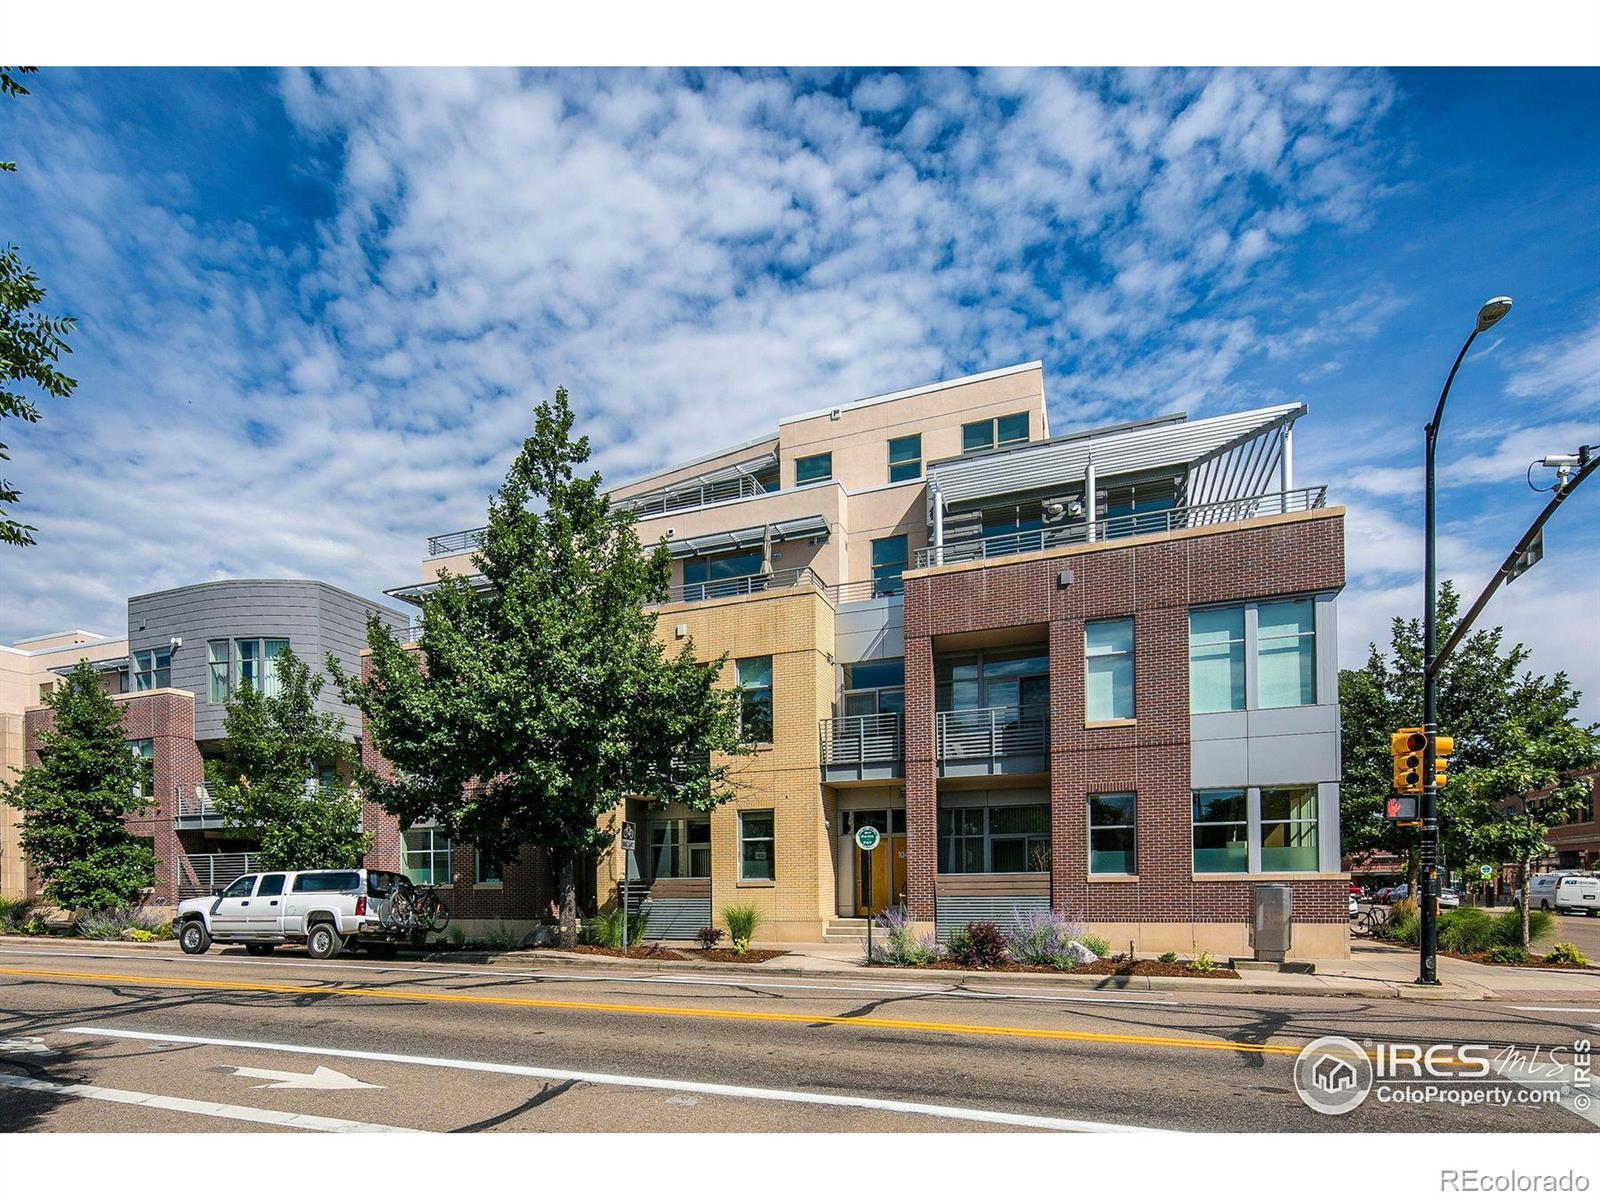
1367	922
415	911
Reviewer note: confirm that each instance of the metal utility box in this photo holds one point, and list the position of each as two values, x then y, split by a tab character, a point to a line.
1271	921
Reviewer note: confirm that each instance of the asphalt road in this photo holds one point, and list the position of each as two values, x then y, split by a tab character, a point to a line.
127	1040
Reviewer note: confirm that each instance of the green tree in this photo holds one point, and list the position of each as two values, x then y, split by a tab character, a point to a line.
75	801
1513	730
272	747
31	344
538	702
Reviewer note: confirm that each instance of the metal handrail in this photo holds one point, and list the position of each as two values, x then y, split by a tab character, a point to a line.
456	543
865	589
745	585
665	500
203	804
991	733
1193	516
851	740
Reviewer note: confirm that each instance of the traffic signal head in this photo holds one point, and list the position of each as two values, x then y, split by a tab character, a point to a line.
1443	746
1406	748
1407	741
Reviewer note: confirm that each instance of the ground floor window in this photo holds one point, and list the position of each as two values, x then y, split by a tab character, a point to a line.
756	845
1270	830
679	848
428	857
1221	831
1112	829
994	839
485	871
1289	829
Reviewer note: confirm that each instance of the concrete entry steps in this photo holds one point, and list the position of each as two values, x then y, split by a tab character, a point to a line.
845	931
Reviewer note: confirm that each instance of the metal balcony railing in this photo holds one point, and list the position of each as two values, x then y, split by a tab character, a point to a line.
865	589
653	504
456	543
200	810
848	741
208	874
1194	516
976	735
746	585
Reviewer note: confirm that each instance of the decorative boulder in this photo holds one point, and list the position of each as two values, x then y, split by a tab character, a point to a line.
539	935
1080	954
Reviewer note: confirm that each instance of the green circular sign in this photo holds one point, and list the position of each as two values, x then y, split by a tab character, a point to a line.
867	837
1486	871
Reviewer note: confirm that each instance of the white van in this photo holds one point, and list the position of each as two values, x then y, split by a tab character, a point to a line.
1565	891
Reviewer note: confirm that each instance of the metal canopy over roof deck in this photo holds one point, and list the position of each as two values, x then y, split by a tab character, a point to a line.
737	481
814	526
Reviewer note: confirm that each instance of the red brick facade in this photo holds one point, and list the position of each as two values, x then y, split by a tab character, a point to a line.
1155	581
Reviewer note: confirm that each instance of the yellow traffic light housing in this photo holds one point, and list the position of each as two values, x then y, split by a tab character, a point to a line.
1406	748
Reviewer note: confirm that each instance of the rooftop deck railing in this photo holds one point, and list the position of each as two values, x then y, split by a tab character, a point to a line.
653	504
1194	516
745	585
456	543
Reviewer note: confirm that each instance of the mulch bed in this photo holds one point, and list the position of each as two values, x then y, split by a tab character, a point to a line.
749	956
663	954
1482	956
1104	966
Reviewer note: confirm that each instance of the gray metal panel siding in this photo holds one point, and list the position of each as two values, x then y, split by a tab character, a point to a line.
869	629
676	919
952	912
314	617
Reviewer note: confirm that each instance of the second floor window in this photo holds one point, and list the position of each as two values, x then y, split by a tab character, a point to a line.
905	458
1286	654
1108	670
217	671
152	669
256	663
888	564
813	468
1216	660
144	751
755	698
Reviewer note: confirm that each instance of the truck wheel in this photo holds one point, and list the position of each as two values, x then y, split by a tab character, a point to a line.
259	948
193	938
1544	905
324	942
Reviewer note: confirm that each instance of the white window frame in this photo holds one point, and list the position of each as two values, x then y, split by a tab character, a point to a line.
432	852
771	814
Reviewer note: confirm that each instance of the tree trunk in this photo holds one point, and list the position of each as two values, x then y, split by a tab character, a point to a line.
569	900
1522	880
1414	875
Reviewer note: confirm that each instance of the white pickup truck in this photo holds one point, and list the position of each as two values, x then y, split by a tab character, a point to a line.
326	910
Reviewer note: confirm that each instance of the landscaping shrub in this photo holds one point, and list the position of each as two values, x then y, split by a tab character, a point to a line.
1203	962
1565	953
1399	911
742	921
983	946
503	938
708	937
1509	926
1508	954
958	945
1466	931
16	914
605	929
1169	956
1041	937
1096	943
122	924
895	942
1407	928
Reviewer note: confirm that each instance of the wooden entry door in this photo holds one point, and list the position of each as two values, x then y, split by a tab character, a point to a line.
888	875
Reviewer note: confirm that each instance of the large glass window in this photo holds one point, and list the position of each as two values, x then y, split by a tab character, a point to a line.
1112	830
703	577
152	669
1289	829
993	679
680	848
756	845
1216	660
1108	670
1286	654
888	564
755	698
874	687
813	468
1221	832
1009	430
988	840
144	751
485	873
217	671
427	857
255	664
905	457
271	683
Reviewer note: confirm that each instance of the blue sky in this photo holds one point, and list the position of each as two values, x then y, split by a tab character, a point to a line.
316	307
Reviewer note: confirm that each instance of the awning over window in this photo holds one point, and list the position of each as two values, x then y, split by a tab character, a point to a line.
754	536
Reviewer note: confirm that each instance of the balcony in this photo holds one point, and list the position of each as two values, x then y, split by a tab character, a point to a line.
1194	516
456	543
1009	740
746	585
208	874
859	749
697	495
200	811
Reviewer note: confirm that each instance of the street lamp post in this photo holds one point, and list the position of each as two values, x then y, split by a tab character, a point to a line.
1490	313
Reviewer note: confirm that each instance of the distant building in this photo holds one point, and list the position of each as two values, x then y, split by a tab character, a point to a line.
1574	845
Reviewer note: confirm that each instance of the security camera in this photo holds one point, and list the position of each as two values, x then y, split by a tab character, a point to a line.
175	643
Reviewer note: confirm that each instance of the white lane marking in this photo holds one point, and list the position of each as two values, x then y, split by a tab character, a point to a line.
770	982
27	1045
825	1099
1538	1008
201	1108
320	1080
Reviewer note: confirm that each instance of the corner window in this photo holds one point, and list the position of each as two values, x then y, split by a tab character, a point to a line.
813	468
144	751
755	698
484	872
1289	829
1112	830
217	671
1009	430
905	458
756	845
1286	654
427	857
1221	832
888	564
152	669
1108	670
1216	660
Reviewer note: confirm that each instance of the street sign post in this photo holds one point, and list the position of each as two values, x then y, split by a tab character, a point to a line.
630	834
867	839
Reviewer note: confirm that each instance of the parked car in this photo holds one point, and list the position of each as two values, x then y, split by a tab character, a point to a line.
1389	895
328	911
1449	897
1565	891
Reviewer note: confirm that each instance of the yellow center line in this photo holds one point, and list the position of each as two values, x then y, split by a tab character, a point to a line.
717	1014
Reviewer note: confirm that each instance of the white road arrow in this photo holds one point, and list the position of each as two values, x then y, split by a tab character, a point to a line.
27	1045
322	1079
